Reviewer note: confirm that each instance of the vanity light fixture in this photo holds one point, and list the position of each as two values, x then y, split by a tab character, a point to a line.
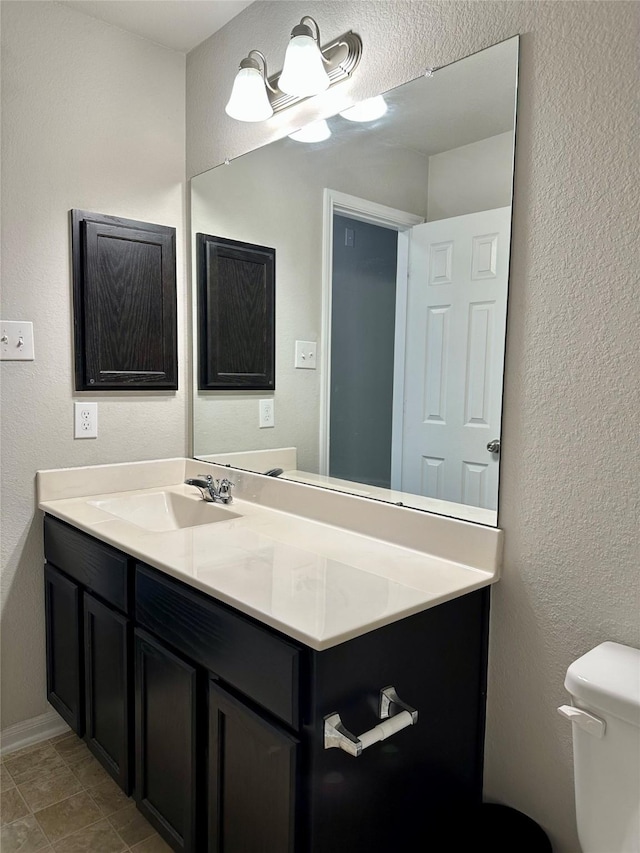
317	131
308	70
368	110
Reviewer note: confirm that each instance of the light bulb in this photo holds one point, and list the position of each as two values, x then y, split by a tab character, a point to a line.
303	73
249	100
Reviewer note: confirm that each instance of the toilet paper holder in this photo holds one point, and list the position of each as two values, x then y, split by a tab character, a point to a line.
337	735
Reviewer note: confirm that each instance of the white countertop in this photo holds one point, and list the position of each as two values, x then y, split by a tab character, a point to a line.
319	583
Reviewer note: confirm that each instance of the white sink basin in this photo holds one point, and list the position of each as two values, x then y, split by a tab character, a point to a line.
159	511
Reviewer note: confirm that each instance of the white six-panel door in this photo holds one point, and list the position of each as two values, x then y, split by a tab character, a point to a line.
455	333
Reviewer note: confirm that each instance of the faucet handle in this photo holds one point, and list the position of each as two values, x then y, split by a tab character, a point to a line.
224	490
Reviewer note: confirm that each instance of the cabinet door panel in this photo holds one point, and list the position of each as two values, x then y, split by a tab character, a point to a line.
64	647
252	770
166	742
106	640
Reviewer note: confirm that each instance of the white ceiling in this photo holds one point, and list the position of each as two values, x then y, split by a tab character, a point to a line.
178	24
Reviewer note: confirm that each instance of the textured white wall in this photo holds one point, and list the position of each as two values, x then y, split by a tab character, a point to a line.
93	118
569	473
471	178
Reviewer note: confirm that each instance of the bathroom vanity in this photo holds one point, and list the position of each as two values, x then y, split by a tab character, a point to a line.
205	665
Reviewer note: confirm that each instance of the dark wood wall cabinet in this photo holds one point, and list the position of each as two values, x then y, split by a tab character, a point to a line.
236	315
220	732
124	303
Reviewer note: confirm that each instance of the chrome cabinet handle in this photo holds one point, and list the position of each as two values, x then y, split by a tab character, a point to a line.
494	446
337	735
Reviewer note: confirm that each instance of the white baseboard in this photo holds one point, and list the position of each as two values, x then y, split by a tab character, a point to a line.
32	731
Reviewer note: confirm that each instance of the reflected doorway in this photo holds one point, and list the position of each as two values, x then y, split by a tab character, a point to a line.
363	315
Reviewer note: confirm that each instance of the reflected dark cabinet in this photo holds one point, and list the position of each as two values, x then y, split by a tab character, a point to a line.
236	315
124	303
167	743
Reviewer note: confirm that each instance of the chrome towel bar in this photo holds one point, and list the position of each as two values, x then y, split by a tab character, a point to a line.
337	735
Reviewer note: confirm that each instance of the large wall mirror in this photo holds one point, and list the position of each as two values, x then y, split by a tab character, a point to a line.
392	243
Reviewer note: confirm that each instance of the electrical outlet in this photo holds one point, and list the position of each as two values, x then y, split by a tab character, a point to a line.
267	414
86	420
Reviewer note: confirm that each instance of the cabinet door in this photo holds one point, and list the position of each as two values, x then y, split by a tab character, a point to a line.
124	276
64	647
166	742
107	679
252	771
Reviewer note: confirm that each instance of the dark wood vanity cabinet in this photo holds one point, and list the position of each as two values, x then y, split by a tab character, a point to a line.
235	710
252	775
107	675
88	636
270	784
63	616
228	741
169	738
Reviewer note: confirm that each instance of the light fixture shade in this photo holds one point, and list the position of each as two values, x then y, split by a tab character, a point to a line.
317	131
249	100
368	110
303	74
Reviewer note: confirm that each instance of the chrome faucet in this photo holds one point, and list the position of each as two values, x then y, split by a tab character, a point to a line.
212	490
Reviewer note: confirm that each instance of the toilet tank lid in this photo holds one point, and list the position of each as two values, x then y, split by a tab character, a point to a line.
608	677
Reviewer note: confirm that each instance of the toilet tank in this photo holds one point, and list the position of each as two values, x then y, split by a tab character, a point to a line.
605	682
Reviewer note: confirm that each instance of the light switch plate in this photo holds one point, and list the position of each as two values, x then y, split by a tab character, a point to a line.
16	340
306	354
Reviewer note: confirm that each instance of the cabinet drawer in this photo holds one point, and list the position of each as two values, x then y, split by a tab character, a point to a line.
99	568
251	659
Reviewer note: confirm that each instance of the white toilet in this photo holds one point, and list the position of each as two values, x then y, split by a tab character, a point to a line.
605	688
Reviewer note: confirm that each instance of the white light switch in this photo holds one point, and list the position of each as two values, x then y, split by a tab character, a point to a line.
16	340
306	354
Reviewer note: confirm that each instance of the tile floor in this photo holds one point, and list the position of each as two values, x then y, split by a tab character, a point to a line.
56	798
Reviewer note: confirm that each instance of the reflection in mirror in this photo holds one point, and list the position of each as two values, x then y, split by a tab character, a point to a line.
392	243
